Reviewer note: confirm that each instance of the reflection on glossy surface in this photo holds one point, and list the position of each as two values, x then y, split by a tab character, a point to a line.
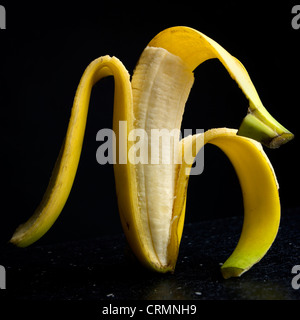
257	290
236	289
168	289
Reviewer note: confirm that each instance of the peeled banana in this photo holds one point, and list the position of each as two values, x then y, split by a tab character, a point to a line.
152	177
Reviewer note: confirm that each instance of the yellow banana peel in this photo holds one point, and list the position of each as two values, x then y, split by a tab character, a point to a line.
152	194
260	195
194	48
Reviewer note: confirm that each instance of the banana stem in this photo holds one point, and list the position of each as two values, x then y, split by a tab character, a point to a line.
264	129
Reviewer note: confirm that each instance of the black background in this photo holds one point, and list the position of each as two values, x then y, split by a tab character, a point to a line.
43	53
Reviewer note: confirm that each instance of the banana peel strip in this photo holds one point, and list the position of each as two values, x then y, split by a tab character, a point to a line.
260	195
64	172
258	182
194	47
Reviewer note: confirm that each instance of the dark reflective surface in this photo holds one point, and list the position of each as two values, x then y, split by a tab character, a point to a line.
103	268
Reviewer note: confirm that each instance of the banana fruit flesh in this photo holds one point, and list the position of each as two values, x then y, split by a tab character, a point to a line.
151	183
155	106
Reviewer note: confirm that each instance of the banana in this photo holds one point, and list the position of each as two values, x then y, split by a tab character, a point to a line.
153	163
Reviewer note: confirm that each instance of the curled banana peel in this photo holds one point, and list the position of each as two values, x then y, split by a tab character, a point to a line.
152	195
194	48
260	195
